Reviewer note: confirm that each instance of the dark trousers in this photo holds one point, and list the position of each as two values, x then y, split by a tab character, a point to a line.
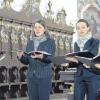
39	89
88	86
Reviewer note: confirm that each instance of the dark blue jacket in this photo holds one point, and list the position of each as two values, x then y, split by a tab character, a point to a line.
41	68
92	45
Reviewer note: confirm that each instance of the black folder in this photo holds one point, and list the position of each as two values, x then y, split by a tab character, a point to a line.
80	53
58	60
89	61
37	52
71	57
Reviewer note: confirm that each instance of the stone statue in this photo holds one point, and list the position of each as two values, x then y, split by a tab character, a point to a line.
93	25
7	3
49	5
32	7
61	16
49	11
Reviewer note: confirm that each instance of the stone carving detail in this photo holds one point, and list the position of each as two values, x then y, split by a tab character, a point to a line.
61	16
49	11
32	7
7	3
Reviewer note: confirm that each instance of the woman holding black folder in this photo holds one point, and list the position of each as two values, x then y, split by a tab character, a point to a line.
87	83
39	70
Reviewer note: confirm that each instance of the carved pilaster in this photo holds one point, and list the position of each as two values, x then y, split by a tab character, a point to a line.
31	7
7	3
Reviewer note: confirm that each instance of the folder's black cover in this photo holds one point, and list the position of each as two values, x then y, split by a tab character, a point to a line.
89	61
72	57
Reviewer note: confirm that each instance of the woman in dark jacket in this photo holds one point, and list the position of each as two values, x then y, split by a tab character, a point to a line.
87	83
39	70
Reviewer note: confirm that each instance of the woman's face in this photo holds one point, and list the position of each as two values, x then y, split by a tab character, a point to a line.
82	28
38	29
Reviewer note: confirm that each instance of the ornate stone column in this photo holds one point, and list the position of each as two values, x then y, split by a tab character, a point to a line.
31	7
7	3
0	34
64	44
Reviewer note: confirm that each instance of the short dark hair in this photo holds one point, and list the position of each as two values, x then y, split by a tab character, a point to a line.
83	20
42	22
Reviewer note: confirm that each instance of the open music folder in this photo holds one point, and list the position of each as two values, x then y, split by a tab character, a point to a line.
89	61
71	57
80	53
37	52
58	60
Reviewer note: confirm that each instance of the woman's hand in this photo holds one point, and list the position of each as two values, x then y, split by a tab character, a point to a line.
40	56
20	53
86	66
97	66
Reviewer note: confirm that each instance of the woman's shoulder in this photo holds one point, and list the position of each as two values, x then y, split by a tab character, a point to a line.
94	39
29	41
50	40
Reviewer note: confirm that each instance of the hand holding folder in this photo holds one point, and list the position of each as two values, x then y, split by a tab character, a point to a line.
32	54
89	61
93	63
58	60
71	57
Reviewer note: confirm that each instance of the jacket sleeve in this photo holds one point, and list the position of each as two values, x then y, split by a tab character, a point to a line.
94	48
94	70
95	45
24	59
51	50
